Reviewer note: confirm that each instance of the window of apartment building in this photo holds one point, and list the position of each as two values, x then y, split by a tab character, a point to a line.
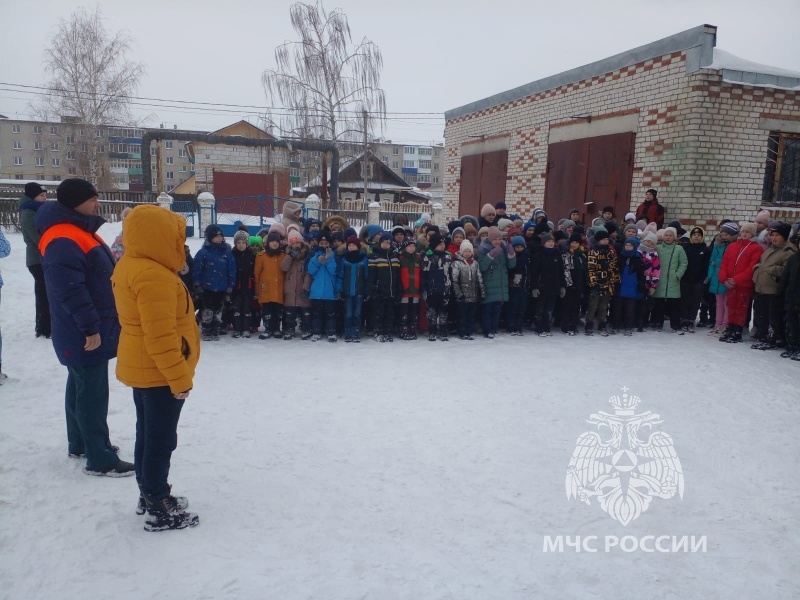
435	180
98	133
385	159
423	178
53	130
39	161
17	145
18	160
436	154
435	166
84	148
183	170
424	164
54	146
395	164
15	128
170	187
72	171
56	178
409	164
37	129
182	153
135	148
82	132
409	150
153	151
410	177
37	145
395	151
70	155
154	183
19	176
170	160
424	151
70	139
782	171
170	174
56	162
168	144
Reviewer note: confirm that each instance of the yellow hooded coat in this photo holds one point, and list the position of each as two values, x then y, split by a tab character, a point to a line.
160	341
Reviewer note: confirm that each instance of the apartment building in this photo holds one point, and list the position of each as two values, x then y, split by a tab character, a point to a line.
418	165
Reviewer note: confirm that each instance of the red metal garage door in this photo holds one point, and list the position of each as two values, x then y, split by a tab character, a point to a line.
594	170
483	180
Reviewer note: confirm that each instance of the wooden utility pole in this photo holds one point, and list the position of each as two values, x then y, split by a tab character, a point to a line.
365	167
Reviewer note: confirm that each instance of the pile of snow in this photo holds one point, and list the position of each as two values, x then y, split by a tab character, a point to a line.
735	67
405	470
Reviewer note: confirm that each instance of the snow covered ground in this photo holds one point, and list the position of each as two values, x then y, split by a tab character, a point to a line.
408	470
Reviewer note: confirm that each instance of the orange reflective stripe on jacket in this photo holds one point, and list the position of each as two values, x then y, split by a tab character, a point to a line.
85	240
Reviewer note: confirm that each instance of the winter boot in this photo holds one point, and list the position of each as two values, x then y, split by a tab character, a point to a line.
789	352
164	514
727	334
121	469
588	328
180	501
767	344
736	336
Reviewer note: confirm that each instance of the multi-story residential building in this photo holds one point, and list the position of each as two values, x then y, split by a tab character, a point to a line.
40	150
418	165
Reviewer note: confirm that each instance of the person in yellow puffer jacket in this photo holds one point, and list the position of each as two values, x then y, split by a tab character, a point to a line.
158	352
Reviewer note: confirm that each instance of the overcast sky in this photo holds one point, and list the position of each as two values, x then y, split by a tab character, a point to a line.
438	54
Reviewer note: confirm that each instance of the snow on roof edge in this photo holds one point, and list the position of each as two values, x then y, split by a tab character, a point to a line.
726	60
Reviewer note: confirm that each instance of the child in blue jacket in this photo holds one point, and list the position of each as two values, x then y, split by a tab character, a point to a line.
353	274
324	286
214	276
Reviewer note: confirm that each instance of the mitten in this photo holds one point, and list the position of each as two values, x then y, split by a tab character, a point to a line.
495	252
517	279
535	293
562	292
510	252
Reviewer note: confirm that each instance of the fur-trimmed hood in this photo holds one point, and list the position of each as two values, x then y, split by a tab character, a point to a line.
335	219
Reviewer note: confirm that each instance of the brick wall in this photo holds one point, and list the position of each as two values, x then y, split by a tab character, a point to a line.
241	159
698	140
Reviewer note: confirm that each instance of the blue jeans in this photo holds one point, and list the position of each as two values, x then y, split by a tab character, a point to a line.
86	408
352	315
490	320
157	414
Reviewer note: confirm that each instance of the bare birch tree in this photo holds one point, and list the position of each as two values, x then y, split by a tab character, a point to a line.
91	84
323	83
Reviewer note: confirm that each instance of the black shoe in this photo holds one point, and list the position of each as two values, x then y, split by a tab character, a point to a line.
443	338
82	455
165	514
236	335
121	469
726	335
264	336
182	502
286	336
431	337
305	335
789	352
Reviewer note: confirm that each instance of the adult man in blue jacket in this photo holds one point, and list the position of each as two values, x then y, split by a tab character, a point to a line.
85	330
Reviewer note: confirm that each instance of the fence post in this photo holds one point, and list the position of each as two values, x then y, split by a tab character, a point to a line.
438	215
312	206
207	215
374	213
164	200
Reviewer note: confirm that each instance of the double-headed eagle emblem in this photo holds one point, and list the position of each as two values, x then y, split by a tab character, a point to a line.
625	471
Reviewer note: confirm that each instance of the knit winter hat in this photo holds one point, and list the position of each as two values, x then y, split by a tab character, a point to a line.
353	239
762	216
546	237
630	216
608	209
385	237
567	223
494	233
651	227
33	189
730	228
630	228
278	228
487	209
254	240
560	235
337	235
398	229
466	245
469	228
751	227
435	240
641	224
241	235
634	241
212	231
654	192
409	242
295	236
373	230
600	235
504	224
483	230
458	230
650	237
73	192
518	240
697	229
500	205
673	230
273	236
781	228
575	237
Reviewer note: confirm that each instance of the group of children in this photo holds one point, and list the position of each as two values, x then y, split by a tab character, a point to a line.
328	280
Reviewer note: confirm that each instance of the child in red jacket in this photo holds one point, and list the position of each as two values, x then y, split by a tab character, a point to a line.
736	274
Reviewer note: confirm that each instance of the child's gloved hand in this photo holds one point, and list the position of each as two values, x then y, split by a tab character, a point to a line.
535	293
517	279
495	252
510	252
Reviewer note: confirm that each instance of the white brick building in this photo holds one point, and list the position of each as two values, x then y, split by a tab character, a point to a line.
717	136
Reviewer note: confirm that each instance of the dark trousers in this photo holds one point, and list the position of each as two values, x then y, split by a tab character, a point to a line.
323	317
157	414
437	314
271	313
768	316
691	296
628	312
383	312
42	307
515	308
670	307
211	315
241	305
793	329
597	309
86	407
352	315
570	309
465	318
293	313
409	315
490	317
545	304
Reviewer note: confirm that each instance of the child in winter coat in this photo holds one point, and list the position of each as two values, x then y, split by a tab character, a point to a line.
214	277
353	275
518	287
726	234
630	300
790	286
322	268
667	297
436	283
468	287
736	274
384	287
296	286
269	283
495	260
768	312
693	280
652	275
547	282
574	264
411	283
603	276
244	289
